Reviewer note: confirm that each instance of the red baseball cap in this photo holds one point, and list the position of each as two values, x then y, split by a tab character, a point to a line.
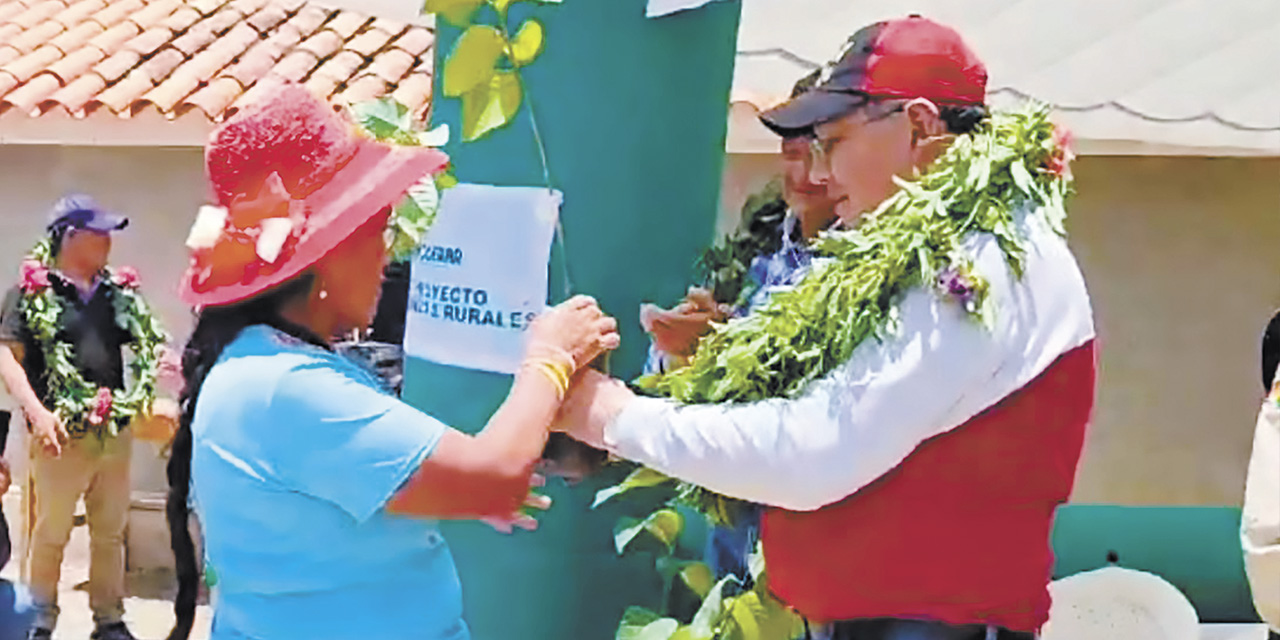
911	57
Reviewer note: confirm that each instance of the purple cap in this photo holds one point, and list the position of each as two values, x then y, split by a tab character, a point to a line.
82	212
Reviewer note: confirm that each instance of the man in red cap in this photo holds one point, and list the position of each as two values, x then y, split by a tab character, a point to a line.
913	475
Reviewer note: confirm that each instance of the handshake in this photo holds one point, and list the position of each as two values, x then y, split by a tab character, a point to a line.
675	333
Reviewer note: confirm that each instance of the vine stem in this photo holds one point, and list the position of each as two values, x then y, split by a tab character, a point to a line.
567	281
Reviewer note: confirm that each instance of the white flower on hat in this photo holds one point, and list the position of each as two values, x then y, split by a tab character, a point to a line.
207	228
274	232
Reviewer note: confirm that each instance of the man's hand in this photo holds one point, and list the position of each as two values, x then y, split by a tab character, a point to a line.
159	423
47	429
593	402
5	478
676	331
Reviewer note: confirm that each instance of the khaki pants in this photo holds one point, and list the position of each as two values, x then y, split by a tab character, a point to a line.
97	469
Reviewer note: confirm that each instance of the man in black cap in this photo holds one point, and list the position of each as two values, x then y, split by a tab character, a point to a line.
93	466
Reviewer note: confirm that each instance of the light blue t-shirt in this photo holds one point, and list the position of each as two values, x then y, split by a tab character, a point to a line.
296	452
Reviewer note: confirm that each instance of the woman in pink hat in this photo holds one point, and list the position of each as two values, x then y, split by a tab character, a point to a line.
316	490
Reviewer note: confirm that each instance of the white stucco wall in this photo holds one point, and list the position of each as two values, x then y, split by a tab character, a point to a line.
158	188
1182	258
1180	255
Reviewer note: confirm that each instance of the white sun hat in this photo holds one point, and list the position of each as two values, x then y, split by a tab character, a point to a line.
1119	604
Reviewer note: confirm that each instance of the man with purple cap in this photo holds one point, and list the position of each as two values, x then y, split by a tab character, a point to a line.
913	410
90	464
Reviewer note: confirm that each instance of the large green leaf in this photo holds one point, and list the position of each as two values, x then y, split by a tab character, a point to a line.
437	137
489	106
756	617
638	617
641	624
709	615
625	532
383	118
457	12
527	43
414	215
474	60
665	525
446	180
639	479
699	577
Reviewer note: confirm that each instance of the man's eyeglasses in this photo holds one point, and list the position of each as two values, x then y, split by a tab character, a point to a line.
822	148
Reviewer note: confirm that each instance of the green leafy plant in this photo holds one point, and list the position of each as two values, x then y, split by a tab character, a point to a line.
728	609
724	268
386	120
483	69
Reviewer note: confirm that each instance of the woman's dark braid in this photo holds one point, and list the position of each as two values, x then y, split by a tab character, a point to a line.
215	329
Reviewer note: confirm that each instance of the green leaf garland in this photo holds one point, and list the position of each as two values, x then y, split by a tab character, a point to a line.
84	407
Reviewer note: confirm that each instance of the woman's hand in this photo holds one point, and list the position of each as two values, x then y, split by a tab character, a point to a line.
594	400
576	330
522	519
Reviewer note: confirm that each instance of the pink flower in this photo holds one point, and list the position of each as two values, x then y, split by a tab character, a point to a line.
126	277
35	276
1059	162
101	407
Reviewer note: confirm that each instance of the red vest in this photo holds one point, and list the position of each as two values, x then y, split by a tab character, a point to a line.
959	531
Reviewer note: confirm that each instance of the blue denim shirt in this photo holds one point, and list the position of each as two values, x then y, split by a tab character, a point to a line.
780	270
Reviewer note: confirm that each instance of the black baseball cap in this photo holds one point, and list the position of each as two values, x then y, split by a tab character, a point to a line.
802	85
78	211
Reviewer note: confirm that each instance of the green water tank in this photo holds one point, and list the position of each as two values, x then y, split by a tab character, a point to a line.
633	115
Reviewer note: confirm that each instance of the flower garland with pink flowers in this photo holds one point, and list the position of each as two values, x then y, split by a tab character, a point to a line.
84	407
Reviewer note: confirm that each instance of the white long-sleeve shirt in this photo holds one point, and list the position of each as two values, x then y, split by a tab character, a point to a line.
1260	524
940	368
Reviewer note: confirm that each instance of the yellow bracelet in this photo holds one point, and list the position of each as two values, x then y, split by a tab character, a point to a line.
554	354
556	372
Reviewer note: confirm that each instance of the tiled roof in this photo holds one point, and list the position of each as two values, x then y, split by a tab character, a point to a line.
1191	72
200	56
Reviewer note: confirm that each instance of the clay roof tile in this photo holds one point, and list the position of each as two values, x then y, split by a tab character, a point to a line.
28	97
32	38
75	38
28	66
78	92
